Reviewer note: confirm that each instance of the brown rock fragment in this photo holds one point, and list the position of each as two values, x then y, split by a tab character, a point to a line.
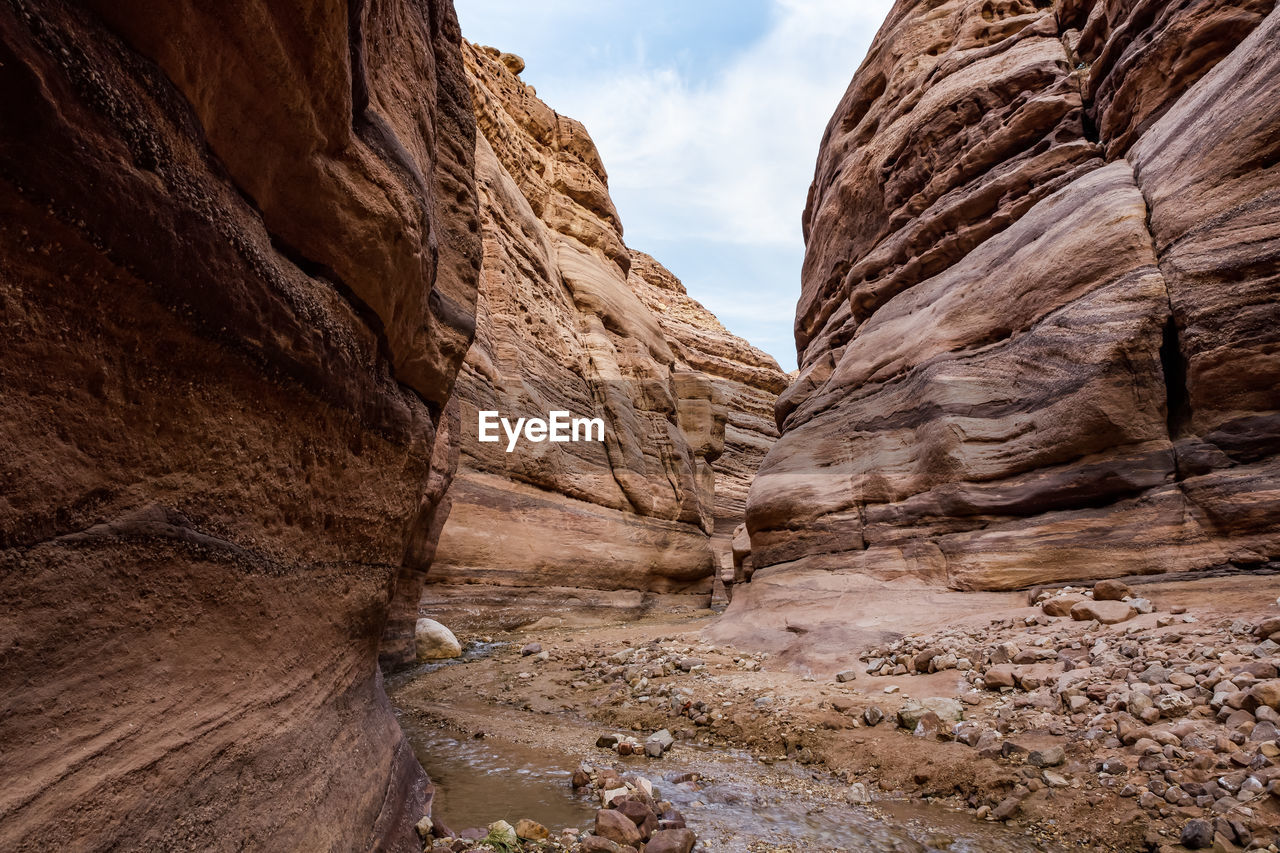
1060	605
1106	612
1111	590
671	841
617	827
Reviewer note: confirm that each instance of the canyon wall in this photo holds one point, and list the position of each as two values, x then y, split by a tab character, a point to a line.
569	319
239	254
748	379
1039	331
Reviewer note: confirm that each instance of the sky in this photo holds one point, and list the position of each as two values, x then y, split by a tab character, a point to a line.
708	115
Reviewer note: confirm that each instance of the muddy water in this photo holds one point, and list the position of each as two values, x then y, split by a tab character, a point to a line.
739	800
736	804
480	781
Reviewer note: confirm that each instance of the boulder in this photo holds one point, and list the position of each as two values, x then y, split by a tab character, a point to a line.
923	659
433	641
618	828
1007	808
944	709
1060	605
609	795
531	830
1197	834
503	833
1055	780
1106	612
1174	704
641	815
929	725
671	841
948	710
661	741
857	794
1266	693
1001	676
1111	590
597	844
1053	756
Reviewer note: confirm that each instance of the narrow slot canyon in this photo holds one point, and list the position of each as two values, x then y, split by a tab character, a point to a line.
366	489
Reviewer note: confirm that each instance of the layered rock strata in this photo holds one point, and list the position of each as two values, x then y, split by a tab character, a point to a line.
571	320
1038	327
239	254
748	379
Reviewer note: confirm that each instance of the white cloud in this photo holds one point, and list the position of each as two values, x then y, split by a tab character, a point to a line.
728	158
708	116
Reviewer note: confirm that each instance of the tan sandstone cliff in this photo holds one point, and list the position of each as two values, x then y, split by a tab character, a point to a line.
749	381
570	319
239	252
1039	331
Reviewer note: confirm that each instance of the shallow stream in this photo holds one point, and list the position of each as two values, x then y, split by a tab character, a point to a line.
737	804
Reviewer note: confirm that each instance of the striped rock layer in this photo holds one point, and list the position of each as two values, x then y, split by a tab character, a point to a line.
1039	332
570	319
239	258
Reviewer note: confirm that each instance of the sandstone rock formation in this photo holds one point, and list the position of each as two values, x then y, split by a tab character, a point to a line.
1038	332
569	319
239	254
748	379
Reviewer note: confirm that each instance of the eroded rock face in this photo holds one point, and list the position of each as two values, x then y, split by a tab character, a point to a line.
572	320
238	264
1038	329
748	379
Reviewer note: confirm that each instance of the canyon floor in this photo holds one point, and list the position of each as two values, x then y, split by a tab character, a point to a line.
1041	741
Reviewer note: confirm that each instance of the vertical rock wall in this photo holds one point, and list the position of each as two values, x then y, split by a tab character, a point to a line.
749	381
1038	328
239	254
570	319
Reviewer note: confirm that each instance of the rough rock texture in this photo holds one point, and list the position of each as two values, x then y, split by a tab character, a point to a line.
1038	332
570	319
239	255
748	379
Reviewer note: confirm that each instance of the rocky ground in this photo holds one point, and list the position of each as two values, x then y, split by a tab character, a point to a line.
1156	732
632	815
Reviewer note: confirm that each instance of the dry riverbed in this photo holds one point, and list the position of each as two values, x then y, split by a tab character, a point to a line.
1024	732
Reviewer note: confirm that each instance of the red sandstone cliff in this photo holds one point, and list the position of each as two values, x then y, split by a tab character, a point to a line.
1039	324
570	319
239	252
